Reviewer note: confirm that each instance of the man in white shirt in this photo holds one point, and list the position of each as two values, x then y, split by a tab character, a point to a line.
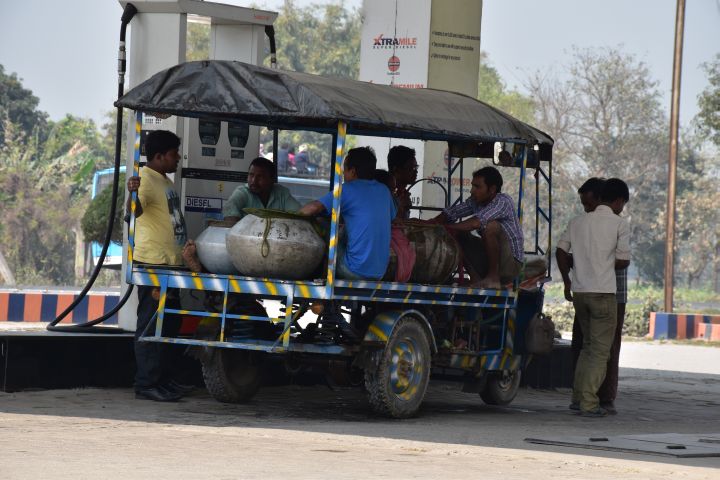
599	242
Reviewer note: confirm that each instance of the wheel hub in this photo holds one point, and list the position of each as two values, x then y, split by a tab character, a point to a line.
406	371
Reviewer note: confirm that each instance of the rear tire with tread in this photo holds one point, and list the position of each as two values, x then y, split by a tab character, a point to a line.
396	386
231	376
501	389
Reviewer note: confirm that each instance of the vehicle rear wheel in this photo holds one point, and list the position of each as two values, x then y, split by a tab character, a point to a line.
501	389
231	376
396	385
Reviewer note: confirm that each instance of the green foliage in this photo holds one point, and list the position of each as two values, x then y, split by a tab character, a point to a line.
620	129
608	121
323	40
649	258
38	234
709	102
562	314
71	135
94	221
19	106
106	154
554	293
43	185
198	41
637	315
318	39
644	299
493	91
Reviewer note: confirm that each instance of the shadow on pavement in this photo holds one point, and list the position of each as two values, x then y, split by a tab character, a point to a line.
650	401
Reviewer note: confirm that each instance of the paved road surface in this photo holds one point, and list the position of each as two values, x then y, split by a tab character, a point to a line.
318	433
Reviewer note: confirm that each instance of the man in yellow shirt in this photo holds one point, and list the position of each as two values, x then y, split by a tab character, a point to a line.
160	235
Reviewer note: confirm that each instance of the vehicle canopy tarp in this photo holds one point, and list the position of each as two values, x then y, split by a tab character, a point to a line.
236	91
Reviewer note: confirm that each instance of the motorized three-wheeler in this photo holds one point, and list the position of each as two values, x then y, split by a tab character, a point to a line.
403	332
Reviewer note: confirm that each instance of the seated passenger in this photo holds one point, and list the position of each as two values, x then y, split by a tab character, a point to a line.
403	167
261	191
399	243
497	256
367	210
384	177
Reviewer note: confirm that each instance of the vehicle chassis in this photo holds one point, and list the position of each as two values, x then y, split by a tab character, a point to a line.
505	312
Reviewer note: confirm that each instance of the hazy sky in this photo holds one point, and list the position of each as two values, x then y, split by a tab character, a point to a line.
65	51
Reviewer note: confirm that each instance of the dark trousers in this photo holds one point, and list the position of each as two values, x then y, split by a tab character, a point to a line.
608	390
156	362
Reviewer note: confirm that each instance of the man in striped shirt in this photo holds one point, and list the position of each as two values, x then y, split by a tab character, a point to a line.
496	256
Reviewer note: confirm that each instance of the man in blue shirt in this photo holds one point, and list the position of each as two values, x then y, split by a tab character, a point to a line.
367	210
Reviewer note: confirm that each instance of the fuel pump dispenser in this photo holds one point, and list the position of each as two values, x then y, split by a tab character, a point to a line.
215	155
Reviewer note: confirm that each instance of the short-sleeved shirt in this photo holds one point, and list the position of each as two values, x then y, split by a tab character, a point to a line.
242	197
596	239
160	231
368	210
500	209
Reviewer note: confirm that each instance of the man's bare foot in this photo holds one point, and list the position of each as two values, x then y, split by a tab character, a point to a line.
189	254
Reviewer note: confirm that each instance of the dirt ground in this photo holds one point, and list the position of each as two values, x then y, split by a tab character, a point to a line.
319	433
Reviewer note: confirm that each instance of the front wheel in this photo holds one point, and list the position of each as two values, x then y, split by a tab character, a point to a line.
231	376
501	389
396	385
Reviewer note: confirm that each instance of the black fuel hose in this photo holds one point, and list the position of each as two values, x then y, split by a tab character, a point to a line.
89	327
270	32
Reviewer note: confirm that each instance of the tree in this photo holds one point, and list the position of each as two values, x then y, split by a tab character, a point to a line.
324	40
19	106
43	186
71	134
708	120
607	121
36	225
492	90
198	41
95	219
319	39
709	102
697	223
106	156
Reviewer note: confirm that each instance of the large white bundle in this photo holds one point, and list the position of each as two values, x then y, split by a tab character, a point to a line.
284	248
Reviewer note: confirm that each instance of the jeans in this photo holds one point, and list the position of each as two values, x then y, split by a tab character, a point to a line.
155	361
341	267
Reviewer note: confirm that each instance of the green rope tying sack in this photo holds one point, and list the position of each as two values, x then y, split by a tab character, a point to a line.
273	213
269	214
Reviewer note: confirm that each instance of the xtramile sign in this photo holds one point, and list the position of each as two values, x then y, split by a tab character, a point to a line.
383	42
421	44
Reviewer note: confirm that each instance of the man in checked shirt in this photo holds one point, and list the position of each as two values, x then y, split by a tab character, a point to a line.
496	256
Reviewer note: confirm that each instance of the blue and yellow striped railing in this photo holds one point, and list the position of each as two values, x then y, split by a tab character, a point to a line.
335	214
133	199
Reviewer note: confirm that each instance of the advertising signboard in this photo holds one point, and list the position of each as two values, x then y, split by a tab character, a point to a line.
421	44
